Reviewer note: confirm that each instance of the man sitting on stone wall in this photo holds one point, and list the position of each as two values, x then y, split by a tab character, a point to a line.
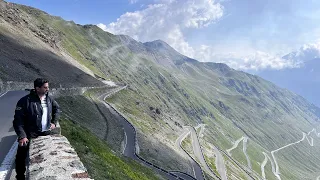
36	115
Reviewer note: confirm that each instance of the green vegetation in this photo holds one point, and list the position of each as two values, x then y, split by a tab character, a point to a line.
187	146
233	169
167	90
99	152
238	154
232	104
98	158
73	39
212	164
96	118
140	116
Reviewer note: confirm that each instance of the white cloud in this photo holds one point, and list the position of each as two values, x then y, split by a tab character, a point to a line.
102	26
306	52
133	1
167	20
261	60
257	60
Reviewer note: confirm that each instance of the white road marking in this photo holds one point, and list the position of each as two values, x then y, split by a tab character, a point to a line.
194	173
125	142
3	94
8	161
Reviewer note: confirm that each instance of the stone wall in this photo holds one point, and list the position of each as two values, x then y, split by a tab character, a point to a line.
10	85
53	158
14	86
56	92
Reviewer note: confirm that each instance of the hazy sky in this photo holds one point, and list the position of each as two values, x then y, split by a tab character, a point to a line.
245	34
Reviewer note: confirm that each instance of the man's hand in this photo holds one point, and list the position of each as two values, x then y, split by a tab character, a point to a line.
52	126
23	142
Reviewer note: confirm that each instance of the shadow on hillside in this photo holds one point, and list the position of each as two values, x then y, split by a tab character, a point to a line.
24	64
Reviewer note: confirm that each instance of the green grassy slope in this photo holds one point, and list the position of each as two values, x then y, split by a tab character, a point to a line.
167	90
101	161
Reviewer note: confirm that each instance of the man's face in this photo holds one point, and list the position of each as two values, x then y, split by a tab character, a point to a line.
43	89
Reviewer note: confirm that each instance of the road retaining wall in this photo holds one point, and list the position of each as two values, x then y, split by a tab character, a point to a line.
52	157
11	86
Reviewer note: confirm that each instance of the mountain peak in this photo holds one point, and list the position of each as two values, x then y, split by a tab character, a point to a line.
159	44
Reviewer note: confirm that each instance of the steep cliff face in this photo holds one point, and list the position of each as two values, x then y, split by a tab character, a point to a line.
167	91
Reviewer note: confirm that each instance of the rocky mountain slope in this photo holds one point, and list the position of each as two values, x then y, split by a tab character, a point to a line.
167	91
30	50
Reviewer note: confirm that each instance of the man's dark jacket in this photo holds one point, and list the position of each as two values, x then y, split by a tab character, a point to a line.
28	115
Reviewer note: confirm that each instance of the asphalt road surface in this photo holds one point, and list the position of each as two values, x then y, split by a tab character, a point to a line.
8	103
198	153
197	171
130	143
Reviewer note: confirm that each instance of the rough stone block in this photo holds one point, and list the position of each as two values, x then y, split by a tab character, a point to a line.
52	157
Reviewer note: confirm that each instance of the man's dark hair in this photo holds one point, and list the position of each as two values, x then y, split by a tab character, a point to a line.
39	82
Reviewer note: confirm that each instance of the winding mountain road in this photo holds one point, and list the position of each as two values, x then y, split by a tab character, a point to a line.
244	149
277	172
202	127
197	172
220	164
198	152
131	141
8	101
264	163
274	163
235	145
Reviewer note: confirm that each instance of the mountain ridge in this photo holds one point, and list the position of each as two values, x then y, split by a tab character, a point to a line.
167	90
